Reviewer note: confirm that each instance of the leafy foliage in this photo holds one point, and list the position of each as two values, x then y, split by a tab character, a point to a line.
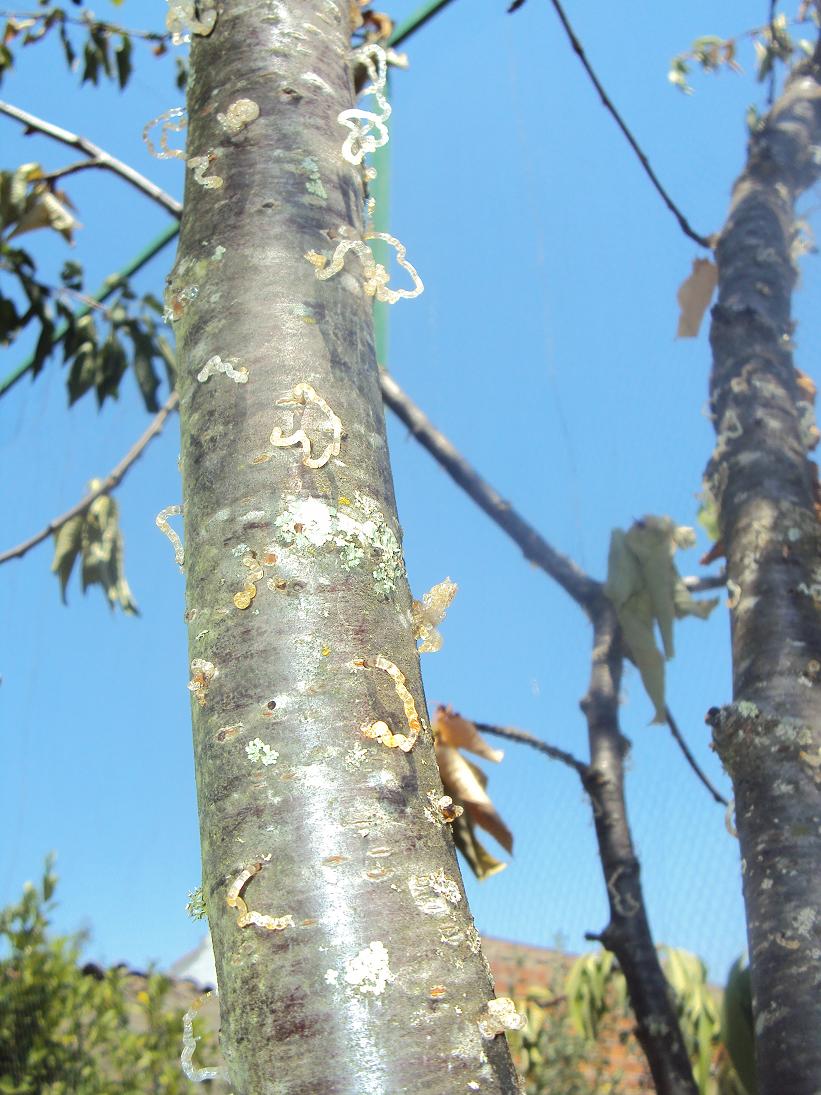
553	1057
596	987
772	43
95	538
66	1031
100	358
99	354
92	47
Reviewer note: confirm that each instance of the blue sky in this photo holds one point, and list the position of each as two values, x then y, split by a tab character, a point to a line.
543	346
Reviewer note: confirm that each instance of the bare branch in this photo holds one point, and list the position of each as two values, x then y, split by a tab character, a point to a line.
691	760
108	484
578	49
69	169
703	583
584	590
100	157
523	738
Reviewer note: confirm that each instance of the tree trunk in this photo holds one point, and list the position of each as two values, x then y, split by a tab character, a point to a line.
627	934
769	738
347	959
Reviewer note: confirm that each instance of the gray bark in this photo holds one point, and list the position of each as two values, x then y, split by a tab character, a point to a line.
627	934
358	853
769	738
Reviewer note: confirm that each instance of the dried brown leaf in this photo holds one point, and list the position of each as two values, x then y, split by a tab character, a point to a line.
451	729
465	783
694	295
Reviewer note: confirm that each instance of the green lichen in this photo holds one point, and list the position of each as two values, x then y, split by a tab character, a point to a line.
747	710
314	184
195	905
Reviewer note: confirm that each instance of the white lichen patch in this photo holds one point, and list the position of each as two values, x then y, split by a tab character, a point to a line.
354	757
747	710
804	921
355	531
215	364
433	894
368	971
258	752
238	115
500	1015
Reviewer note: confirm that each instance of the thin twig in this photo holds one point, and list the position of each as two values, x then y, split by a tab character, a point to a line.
584	590
110	28
69	169
691	760
705	582
645	163
108	484
101	158
523	738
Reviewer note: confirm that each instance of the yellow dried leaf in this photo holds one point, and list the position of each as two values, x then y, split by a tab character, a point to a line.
450	728
465	783
481	862
694	295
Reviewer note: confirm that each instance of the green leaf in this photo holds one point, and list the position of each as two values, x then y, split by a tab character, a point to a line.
45	345
113	363
645	589
67	546
72	275
91	63
9	320
708	513
586	988
68	49
96	538
144	351
7	59
84	370
737	1031
122	57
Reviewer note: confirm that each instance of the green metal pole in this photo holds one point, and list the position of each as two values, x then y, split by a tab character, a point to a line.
415	21
380	192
